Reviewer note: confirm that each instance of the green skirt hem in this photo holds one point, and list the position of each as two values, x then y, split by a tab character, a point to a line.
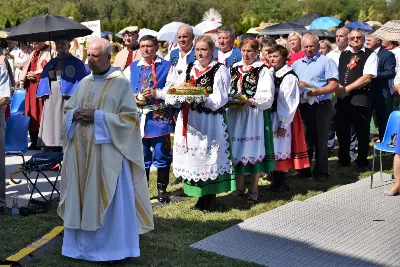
265	166
223	183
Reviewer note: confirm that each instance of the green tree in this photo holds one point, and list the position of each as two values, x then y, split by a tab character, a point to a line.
71	10
17	22
362	16
7	24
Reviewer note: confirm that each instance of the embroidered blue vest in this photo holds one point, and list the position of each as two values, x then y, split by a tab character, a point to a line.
160	122
73	70
174	56
235	57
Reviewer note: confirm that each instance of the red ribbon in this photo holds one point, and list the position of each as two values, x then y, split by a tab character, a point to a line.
185	122
153	69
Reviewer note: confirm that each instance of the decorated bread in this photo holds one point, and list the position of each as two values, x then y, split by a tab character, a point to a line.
186	89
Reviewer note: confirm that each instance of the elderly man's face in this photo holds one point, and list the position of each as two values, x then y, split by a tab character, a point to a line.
148	49
372	43
225	42
62	47
356	40
310	47
130	39
185	39
98	61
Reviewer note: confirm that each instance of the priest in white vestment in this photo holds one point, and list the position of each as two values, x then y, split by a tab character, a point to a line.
105	202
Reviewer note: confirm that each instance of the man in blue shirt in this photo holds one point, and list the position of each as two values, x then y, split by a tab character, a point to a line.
321	76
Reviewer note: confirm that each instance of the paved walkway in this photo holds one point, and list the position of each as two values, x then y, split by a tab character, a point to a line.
349	226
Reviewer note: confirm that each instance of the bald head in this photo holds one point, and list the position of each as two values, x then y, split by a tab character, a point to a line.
342	38
99	56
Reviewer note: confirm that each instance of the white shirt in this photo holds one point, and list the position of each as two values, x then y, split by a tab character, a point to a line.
371	65
335	55
10	60
223	56
5	83
396	52
127	71
181	66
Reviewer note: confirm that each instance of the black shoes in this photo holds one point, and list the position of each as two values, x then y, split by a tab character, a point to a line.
162	183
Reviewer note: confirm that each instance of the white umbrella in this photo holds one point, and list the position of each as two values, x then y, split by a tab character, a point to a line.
208	25
144	31
168	32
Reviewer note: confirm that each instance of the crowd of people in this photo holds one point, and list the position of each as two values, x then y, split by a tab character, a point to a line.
271	105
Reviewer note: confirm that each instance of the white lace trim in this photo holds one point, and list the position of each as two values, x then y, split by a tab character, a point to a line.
208	172
179	99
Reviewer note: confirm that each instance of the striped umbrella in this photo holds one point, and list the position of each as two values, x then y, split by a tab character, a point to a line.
389	31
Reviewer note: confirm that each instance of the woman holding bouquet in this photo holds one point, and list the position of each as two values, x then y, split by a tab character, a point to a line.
289	142
201	147
249	122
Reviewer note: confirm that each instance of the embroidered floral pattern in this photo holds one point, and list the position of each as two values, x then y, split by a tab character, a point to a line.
211	150
353	62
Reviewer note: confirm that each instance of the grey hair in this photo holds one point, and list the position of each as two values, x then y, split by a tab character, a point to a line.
185	28
357	30
230	30
310	37
377	39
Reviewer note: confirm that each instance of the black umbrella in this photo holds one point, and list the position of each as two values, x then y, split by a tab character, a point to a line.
48	28
322	33
308	18
283	28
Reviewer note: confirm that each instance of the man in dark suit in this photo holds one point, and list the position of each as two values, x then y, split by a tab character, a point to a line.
381	95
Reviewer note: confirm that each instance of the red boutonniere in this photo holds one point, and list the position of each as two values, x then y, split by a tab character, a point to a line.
192	81
353	62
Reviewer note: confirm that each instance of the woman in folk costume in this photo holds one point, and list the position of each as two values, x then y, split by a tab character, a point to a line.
250	123
289	141
201	147
266	44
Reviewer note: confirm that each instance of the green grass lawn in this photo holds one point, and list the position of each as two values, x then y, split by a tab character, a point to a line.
176	226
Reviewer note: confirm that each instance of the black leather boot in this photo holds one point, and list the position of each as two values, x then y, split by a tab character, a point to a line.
275	180
282	183
162	183
148	177
34	139
210	204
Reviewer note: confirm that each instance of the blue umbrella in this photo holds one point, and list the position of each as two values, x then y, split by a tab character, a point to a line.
359	25
324	23
105	34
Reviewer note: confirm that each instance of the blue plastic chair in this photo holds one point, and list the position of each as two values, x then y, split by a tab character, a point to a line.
391	128
16	137
18	103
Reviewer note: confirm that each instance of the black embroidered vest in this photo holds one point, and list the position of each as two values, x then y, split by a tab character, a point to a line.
278	82
205	80
249	81
362	96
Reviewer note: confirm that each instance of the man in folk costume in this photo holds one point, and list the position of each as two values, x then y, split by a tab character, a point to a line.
155	125
227	54
183	55
5	93
357	67
59	79
30	78
105	201
131	51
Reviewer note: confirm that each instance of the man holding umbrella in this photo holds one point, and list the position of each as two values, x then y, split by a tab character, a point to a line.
59	79
30	78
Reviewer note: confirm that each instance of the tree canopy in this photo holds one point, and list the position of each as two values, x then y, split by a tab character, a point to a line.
241	14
